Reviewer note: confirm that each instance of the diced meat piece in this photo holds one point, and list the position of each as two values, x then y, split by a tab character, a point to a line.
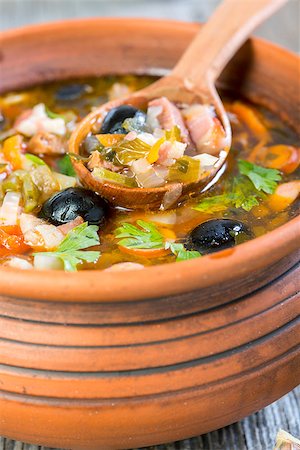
205	129
66	227
44	143
35	120
96	160
162	113
124	267
169	152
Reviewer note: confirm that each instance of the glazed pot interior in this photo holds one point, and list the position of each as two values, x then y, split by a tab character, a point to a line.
260	72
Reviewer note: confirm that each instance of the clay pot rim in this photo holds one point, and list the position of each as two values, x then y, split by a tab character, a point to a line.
155	281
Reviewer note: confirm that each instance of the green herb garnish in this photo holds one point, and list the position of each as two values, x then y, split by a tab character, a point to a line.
263	179
65	166
245	191
181	253
71	249
145	236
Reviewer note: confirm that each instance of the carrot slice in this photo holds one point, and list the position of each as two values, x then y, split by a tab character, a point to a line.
284	195
282	157
251	119
12	149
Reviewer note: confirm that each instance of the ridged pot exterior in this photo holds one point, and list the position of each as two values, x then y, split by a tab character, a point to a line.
98	361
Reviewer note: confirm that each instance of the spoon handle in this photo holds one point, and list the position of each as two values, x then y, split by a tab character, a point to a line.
220	38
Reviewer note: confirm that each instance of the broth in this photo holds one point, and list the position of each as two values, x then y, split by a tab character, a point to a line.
255	129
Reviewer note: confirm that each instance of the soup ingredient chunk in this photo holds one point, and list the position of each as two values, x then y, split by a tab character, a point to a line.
113	121
217	234
71	251
66	205
36	120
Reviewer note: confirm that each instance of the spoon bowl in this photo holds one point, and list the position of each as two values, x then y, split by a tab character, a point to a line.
192	81
152	198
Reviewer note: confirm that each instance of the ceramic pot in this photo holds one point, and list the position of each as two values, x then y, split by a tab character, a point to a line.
119	360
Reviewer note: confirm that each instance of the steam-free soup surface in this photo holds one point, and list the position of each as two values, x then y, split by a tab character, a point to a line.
49	221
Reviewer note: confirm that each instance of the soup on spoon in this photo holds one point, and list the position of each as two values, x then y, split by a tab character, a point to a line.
153	148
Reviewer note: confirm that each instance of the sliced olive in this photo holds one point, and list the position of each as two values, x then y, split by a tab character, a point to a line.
70	92
66	205
217	234
113	120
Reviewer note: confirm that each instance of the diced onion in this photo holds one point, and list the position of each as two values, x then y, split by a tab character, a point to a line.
38	120
10	208
145	174
47	262
18	263
52	237
152	116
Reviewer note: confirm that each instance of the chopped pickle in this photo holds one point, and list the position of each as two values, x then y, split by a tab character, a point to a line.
185	170
101	174
30	194
128	151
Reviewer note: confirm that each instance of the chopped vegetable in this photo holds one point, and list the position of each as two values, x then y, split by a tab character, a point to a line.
37	120
263	179
251	119
185	170
35	159
12	241
71	250
9	210
282	157
284	195
12	151
101	174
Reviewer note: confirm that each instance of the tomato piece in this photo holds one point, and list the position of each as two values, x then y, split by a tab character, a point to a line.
12	150
282	157
12	240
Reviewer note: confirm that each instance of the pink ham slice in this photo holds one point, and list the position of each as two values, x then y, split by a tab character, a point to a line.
168	116
205	129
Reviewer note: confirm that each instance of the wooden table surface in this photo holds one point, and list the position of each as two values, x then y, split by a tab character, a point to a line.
256	432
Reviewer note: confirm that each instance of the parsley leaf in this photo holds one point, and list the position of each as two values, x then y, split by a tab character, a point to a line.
244	194
214	204
182	254
70	250
65	166
145	236
263	179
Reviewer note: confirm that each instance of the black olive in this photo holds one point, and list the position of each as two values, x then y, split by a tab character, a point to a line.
2	121
72	202
217	234
91	143
70	92
113	120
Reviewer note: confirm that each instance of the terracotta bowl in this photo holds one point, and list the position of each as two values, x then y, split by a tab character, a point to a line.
120	360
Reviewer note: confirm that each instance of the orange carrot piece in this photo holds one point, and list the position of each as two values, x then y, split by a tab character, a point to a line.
251	119
12	150
282	157
284	195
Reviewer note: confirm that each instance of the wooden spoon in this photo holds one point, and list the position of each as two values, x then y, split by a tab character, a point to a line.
191	81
